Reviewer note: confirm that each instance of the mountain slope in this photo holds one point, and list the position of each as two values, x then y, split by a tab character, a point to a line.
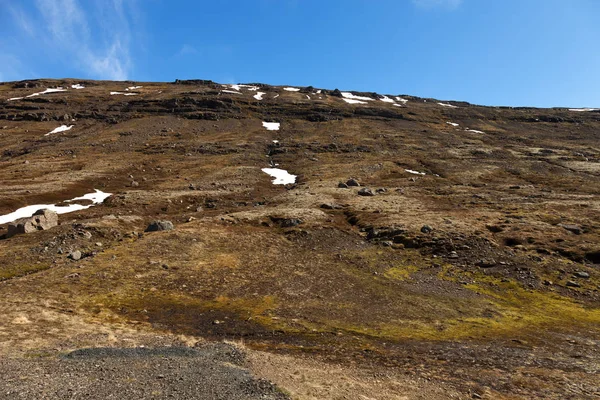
471	260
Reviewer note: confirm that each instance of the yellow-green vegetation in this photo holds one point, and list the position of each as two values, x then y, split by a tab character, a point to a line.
14	271
400	273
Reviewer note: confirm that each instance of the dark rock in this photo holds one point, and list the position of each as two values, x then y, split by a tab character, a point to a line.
159	226
486	263
593	256
290	222
381	190
327	206
426	229
494	228
352	182
576	229
39	221
573	284
366	192
342	185
581	274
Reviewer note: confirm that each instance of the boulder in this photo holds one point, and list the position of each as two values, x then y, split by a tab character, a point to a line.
39	221
159	226
581	274
366	192
576	229
75	255
352	182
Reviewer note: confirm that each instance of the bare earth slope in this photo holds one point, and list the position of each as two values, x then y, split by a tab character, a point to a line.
472	270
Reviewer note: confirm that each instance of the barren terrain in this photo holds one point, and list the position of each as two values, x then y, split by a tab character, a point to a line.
468	269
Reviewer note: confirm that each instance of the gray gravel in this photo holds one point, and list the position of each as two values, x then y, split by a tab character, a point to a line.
212	372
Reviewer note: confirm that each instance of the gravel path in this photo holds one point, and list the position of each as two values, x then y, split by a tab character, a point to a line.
211	372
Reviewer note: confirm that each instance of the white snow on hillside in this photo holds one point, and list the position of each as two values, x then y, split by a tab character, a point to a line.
348	95
49	90
61	128
291	89
447	105
271	126
583	109
77	86
400	99
387	99
124	94
96	198
259	95
411	171
352	101
281	176
134	88
452	123
239	87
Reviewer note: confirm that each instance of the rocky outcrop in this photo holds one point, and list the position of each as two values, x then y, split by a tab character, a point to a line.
159	226
39	221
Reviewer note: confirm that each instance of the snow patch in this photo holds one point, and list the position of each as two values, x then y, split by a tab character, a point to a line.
447	105
97	197
281	176
61	128
400	99
387	99
77	86
230	91
473	130
308	97
291	89
583	109
134	88
410	171
452	123
352	101
50	90
397	105
259	95
239	87
271	126
348	95
14	98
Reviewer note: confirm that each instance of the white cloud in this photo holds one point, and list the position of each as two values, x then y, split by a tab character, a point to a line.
12	68
96	42
187	49
20	19
448	4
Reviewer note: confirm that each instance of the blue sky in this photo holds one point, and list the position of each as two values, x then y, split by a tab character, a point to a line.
495	52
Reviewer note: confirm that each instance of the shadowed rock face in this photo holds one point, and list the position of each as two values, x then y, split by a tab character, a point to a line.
41	220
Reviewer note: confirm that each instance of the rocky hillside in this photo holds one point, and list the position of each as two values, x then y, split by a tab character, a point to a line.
413	247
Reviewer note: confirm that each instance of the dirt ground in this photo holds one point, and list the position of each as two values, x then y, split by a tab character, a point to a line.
464	265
